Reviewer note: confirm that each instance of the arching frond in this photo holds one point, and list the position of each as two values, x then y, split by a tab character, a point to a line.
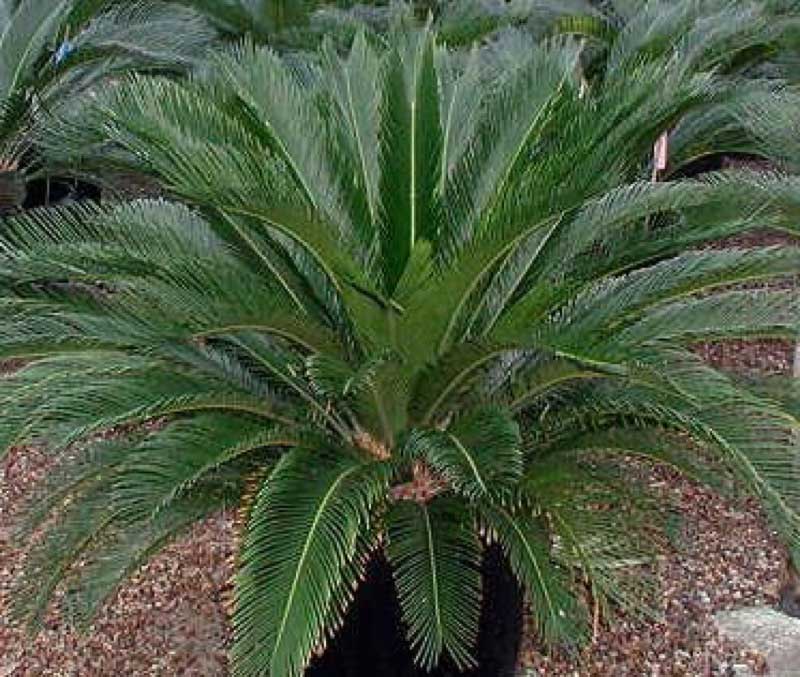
604	524
478	455
52	53
70	398
524	540
170	464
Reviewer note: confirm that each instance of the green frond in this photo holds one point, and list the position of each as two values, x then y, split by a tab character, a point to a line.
478	454
737	431
780	389
558	615
64	399
144	227
604	525
691	273
66	543
160	35
275	364
771	118
94	544
283	113
536	376
54	54
610	308
357	103
122	550
502	143
181	281
732	314
335	379
460	108
508	279
437	311
232	16
92	539
95	459
410	150
756	438
302	537
32	27
668	446
434	551
449	378
170	463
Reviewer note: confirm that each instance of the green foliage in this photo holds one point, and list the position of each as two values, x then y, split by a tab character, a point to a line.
307	532
407	298
435	552
296	25
525	542
479	454
53	54
757	41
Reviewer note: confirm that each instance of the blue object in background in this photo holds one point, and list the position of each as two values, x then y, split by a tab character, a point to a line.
62	53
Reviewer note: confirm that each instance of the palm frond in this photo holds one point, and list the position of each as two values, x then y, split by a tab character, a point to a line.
73	397
168	465
302	534
558	615
478	455
604	523
435	557
32	27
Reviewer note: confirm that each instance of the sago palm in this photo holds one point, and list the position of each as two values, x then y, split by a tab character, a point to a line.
758	37
52	52
756	42
262	20
406	300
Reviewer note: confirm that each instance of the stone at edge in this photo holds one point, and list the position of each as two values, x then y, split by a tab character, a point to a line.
771	633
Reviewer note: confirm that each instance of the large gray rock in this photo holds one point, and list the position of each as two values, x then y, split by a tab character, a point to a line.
773	634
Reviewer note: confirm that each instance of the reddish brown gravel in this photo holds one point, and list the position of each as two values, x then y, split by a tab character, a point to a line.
169	620
727	559
750	358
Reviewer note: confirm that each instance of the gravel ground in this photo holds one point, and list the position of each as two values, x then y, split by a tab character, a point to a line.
750	358
171	619
168	620
727	559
